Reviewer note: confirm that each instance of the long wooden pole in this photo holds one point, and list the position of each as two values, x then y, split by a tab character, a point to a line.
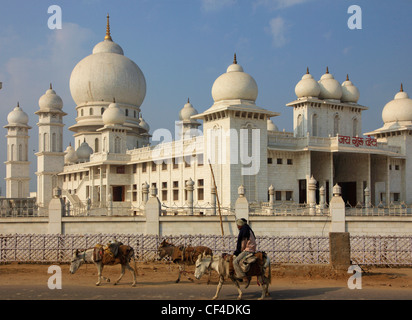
217	198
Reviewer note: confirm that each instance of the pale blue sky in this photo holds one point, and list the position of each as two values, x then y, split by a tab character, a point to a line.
182	46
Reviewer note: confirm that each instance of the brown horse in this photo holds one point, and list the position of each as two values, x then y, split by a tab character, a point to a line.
125	254
182	255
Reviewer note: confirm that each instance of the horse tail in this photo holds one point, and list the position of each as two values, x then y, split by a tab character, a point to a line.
134	261
270	272
267	265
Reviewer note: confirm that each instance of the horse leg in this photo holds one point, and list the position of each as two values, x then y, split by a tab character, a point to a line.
184	271
210	275
248	282
219	286
266	279
121	275
132	271
239	297
180	272
99	267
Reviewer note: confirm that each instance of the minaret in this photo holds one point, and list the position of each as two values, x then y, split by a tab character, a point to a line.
50	157
235	136
187	127
17	164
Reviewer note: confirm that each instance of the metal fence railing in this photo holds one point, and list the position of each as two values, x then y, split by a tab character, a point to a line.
381	250
365	250
59	248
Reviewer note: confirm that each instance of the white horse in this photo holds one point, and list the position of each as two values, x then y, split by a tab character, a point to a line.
126	253
221	265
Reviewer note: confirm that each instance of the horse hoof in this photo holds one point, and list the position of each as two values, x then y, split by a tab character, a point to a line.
134	285
214	298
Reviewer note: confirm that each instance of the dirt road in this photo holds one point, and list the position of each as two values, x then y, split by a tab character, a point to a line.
156	281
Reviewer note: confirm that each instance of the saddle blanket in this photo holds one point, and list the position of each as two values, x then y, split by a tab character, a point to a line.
255	260
106	253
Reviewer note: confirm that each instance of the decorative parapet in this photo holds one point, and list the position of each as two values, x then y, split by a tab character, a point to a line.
282	141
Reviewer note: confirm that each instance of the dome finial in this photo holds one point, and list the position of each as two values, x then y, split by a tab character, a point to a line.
51	87
347	77
234	59
401	88
18	104
327	69
114	100
307	70
188	100
108	37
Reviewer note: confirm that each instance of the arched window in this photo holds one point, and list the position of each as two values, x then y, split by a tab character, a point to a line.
355	127
315	125
82	112
20	157
336	125
96	145
299	126
101	111
20	189
91	111
117	145
127	112
12	152
53	142
46	142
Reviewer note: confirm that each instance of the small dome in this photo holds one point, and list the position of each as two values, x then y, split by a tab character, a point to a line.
83	152
307	86
234	84
71	155
108	46
144	124
350	93
330	88
187	111
113	115
399	109
18	117
50	100
271	126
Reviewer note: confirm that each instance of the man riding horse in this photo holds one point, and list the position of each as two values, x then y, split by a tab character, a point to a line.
246	245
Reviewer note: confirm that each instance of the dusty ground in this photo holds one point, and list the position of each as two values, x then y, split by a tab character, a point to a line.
163	273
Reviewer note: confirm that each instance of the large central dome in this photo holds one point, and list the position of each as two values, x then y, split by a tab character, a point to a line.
107	74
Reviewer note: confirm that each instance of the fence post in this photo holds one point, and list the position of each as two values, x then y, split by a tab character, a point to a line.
242	205
56	211
189	189
152	211
312	195
337	211
339	239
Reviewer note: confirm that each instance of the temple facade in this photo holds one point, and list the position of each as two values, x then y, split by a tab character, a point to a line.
111	161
